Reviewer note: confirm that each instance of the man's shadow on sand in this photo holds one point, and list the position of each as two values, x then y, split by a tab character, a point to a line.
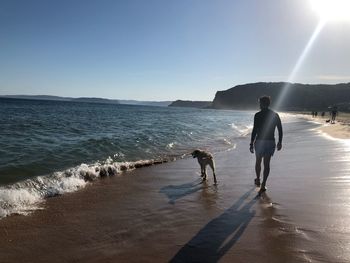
219	235
175	192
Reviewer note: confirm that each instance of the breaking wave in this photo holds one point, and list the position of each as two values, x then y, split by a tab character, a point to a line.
242	130
29	195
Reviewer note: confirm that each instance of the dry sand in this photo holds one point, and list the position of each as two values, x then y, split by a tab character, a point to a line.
339	130
164	214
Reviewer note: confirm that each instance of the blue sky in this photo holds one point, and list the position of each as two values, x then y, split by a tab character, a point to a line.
162	49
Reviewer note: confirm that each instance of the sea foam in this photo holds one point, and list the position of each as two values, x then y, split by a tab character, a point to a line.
29	195
242	130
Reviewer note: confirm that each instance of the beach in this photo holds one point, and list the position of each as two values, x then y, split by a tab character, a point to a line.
110	109
163	213
340	129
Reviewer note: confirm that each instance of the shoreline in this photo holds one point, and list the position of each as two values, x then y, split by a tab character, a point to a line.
164	214
339	130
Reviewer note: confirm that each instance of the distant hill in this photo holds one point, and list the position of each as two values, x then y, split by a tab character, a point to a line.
37	97
95	100
298	96
146	103
190	103
89	100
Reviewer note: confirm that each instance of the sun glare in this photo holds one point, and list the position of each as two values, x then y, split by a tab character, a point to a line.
335	10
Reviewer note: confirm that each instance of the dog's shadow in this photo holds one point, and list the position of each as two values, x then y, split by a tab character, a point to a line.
175	192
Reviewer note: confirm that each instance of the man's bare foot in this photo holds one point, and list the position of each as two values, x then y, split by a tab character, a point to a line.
262	190
257	182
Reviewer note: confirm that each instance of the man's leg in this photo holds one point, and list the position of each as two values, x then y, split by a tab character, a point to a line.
267	159
258	169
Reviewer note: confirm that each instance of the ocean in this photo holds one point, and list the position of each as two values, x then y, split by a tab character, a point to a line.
49	148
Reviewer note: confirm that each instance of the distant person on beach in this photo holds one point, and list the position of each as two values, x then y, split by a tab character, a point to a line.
263	139
334	114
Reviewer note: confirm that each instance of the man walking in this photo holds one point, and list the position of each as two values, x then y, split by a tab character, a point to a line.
334	114
263	139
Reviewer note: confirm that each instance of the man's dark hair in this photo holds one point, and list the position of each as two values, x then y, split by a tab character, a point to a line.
265	101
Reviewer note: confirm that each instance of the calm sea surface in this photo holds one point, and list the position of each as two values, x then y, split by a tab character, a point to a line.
51	147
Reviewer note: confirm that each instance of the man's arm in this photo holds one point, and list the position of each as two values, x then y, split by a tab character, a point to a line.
280	133
251	148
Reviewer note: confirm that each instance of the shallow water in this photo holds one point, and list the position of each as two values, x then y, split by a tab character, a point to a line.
40	137
51	147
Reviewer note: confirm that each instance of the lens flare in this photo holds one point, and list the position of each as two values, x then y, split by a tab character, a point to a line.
332	9
298	64
328	10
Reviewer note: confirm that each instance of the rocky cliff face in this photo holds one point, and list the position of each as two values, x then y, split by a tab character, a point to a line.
297	96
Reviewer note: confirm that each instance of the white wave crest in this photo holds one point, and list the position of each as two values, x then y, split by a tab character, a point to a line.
29	195
18	201
170	145
242	130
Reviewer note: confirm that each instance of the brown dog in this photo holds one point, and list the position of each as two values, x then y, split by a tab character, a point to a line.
205	158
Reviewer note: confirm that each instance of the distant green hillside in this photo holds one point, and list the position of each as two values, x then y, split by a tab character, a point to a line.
298	96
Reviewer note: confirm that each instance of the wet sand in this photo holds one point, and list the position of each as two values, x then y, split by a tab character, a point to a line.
164	214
